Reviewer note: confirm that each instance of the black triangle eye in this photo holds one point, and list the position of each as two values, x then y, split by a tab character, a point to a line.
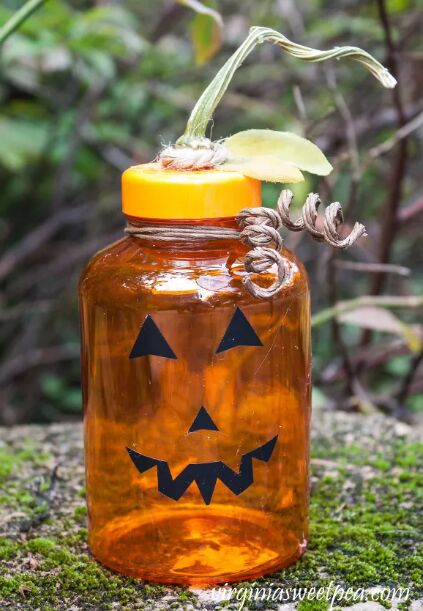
150	342
239	333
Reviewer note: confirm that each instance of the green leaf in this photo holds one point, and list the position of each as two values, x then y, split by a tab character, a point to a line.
398	366
398	6
264	167
206	37
282	147
21	141
207	30
379	319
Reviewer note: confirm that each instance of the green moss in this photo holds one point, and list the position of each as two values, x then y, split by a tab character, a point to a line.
10	460
8	548
62	574
13	462
10	586
364	525
6	464
381	463
370	539
185	596
41	545
154	590
80	513
313	605
363	530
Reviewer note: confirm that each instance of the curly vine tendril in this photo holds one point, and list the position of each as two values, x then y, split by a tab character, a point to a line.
260	229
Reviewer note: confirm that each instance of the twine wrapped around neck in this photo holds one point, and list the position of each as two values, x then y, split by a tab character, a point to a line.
260	229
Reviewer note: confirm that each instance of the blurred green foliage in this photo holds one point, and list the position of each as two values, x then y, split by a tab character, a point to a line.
88	88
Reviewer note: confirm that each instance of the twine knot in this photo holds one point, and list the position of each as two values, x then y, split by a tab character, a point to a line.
198	154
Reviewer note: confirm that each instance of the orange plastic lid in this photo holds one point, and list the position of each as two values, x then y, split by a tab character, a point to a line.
148	191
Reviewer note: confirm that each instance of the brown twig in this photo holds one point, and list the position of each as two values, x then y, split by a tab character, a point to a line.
63	173
37	356
350	131
336	327
390	226
382	268
167	21
21	309
407	381
332	276
65	261
365	127
375	355
408	213
400	134
390	212
34	240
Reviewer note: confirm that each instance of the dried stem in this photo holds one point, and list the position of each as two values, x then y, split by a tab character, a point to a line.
331	268
22	250
407	381
332	283
400	134
204	109
390	225
373	268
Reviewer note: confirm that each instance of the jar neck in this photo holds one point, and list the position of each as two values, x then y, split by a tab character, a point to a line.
224	221
191	244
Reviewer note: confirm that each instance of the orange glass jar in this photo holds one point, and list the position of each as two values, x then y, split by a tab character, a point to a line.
196	393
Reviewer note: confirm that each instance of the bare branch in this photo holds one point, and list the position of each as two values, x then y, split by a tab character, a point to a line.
34	240
400	134
384	268
407	382
38	356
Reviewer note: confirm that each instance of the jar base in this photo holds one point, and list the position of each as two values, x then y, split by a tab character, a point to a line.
197	546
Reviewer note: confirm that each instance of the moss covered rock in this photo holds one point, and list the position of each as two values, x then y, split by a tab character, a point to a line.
364	527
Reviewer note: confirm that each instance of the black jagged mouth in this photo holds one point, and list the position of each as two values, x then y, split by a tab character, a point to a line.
205	475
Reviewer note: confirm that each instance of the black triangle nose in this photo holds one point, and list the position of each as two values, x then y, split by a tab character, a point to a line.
202	422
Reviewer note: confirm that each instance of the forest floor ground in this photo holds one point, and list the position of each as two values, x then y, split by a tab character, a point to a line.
364	527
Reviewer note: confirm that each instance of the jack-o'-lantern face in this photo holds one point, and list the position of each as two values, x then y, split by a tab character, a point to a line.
151	342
